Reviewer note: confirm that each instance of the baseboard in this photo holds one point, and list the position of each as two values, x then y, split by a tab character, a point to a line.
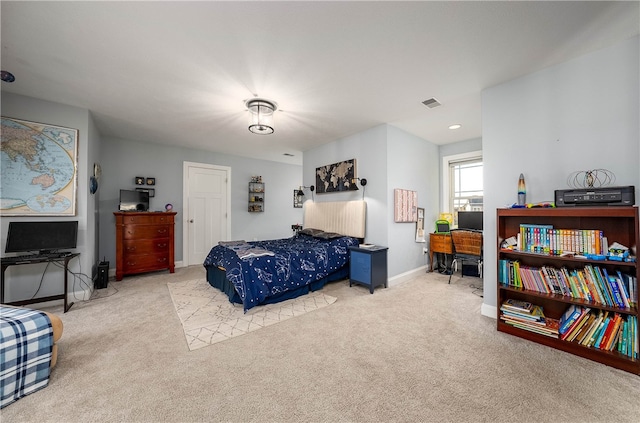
402	277
489	310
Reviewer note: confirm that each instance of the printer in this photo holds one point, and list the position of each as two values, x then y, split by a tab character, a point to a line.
602	196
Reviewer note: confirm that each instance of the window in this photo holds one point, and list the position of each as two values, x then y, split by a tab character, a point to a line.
463	187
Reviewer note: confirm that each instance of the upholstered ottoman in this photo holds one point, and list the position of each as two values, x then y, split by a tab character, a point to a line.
28	351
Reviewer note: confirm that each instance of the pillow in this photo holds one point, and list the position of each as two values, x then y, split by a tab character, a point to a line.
327	235
309	231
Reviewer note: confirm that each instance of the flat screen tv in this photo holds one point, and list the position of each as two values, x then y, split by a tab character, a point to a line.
470	220
43	237
134	200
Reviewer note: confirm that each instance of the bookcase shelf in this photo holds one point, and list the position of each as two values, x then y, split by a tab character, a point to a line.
618	224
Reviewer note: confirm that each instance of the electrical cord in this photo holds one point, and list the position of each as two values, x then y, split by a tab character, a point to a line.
83	283
41	280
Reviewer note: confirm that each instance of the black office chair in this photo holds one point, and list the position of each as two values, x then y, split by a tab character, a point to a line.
467	246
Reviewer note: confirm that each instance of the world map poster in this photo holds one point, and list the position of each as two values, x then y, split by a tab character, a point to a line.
39	169
336	177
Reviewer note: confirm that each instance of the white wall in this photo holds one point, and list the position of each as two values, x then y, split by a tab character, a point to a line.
580	115
388	158
22	282
412	164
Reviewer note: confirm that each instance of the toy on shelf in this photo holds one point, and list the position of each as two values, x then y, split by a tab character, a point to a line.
619	252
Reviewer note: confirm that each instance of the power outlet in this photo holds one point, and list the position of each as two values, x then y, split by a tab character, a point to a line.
425	250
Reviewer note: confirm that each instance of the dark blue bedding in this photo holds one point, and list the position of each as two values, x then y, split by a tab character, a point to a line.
295	263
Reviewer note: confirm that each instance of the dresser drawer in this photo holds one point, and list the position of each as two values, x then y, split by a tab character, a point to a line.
360	269
146	246
441	243
136	219
146	231
143	262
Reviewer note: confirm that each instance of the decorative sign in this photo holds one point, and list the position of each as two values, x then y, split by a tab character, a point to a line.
39	169
420	226
336	177
405	205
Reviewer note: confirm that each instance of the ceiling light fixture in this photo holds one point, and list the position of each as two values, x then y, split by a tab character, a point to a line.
261	115
455	126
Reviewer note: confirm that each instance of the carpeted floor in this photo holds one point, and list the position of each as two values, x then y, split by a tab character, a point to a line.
418	351
208	317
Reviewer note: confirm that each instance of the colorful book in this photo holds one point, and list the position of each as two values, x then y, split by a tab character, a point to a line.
569	317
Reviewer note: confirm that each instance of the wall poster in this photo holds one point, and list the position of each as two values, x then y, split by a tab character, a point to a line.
405	205
39	169
336	177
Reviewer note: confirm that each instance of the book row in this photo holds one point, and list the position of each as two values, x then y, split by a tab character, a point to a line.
592	283
606	330
603	330
544	239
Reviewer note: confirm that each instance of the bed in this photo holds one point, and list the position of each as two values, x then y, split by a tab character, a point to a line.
265	272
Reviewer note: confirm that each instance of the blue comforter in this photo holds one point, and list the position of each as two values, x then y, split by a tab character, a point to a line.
295	262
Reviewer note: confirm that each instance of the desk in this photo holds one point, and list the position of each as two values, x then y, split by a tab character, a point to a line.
439	243
7	261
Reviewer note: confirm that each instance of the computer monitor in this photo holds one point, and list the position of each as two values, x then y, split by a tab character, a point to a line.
41	236
470	220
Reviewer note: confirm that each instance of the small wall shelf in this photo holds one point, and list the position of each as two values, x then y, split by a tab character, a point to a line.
256	197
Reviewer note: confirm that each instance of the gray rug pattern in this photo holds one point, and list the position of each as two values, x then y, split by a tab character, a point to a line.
208	317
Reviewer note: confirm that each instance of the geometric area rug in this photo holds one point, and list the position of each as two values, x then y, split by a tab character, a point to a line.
208	316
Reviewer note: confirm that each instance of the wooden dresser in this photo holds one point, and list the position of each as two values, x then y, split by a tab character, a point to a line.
144	242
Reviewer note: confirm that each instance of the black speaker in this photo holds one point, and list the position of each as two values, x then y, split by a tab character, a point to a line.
102	279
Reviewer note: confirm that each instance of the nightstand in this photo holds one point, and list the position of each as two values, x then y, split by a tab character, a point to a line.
368	266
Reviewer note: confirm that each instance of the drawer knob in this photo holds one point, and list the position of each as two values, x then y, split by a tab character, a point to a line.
131	248
162	231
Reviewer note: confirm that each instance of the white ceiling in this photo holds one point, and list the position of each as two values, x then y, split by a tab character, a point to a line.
178	73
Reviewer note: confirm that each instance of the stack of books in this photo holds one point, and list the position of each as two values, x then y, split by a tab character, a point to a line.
530	317
599	329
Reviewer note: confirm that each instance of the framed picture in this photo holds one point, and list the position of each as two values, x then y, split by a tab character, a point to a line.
39	169
337	177
151	181
151	191
405	205
420	226
139	180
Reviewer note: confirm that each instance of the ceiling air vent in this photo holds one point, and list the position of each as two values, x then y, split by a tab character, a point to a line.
431	103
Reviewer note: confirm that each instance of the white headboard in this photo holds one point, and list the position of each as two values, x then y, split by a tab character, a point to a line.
343	217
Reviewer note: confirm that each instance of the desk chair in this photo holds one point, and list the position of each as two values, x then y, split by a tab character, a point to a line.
467	246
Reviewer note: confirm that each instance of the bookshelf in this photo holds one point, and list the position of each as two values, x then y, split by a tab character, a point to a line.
618	224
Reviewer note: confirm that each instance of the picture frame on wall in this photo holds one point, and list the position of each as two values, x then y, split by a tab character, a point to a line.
420	236
40	169
151	191
337	177
405	205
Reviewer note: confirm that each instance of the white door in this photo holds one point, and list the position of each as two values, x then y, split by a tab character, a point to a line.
207	209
